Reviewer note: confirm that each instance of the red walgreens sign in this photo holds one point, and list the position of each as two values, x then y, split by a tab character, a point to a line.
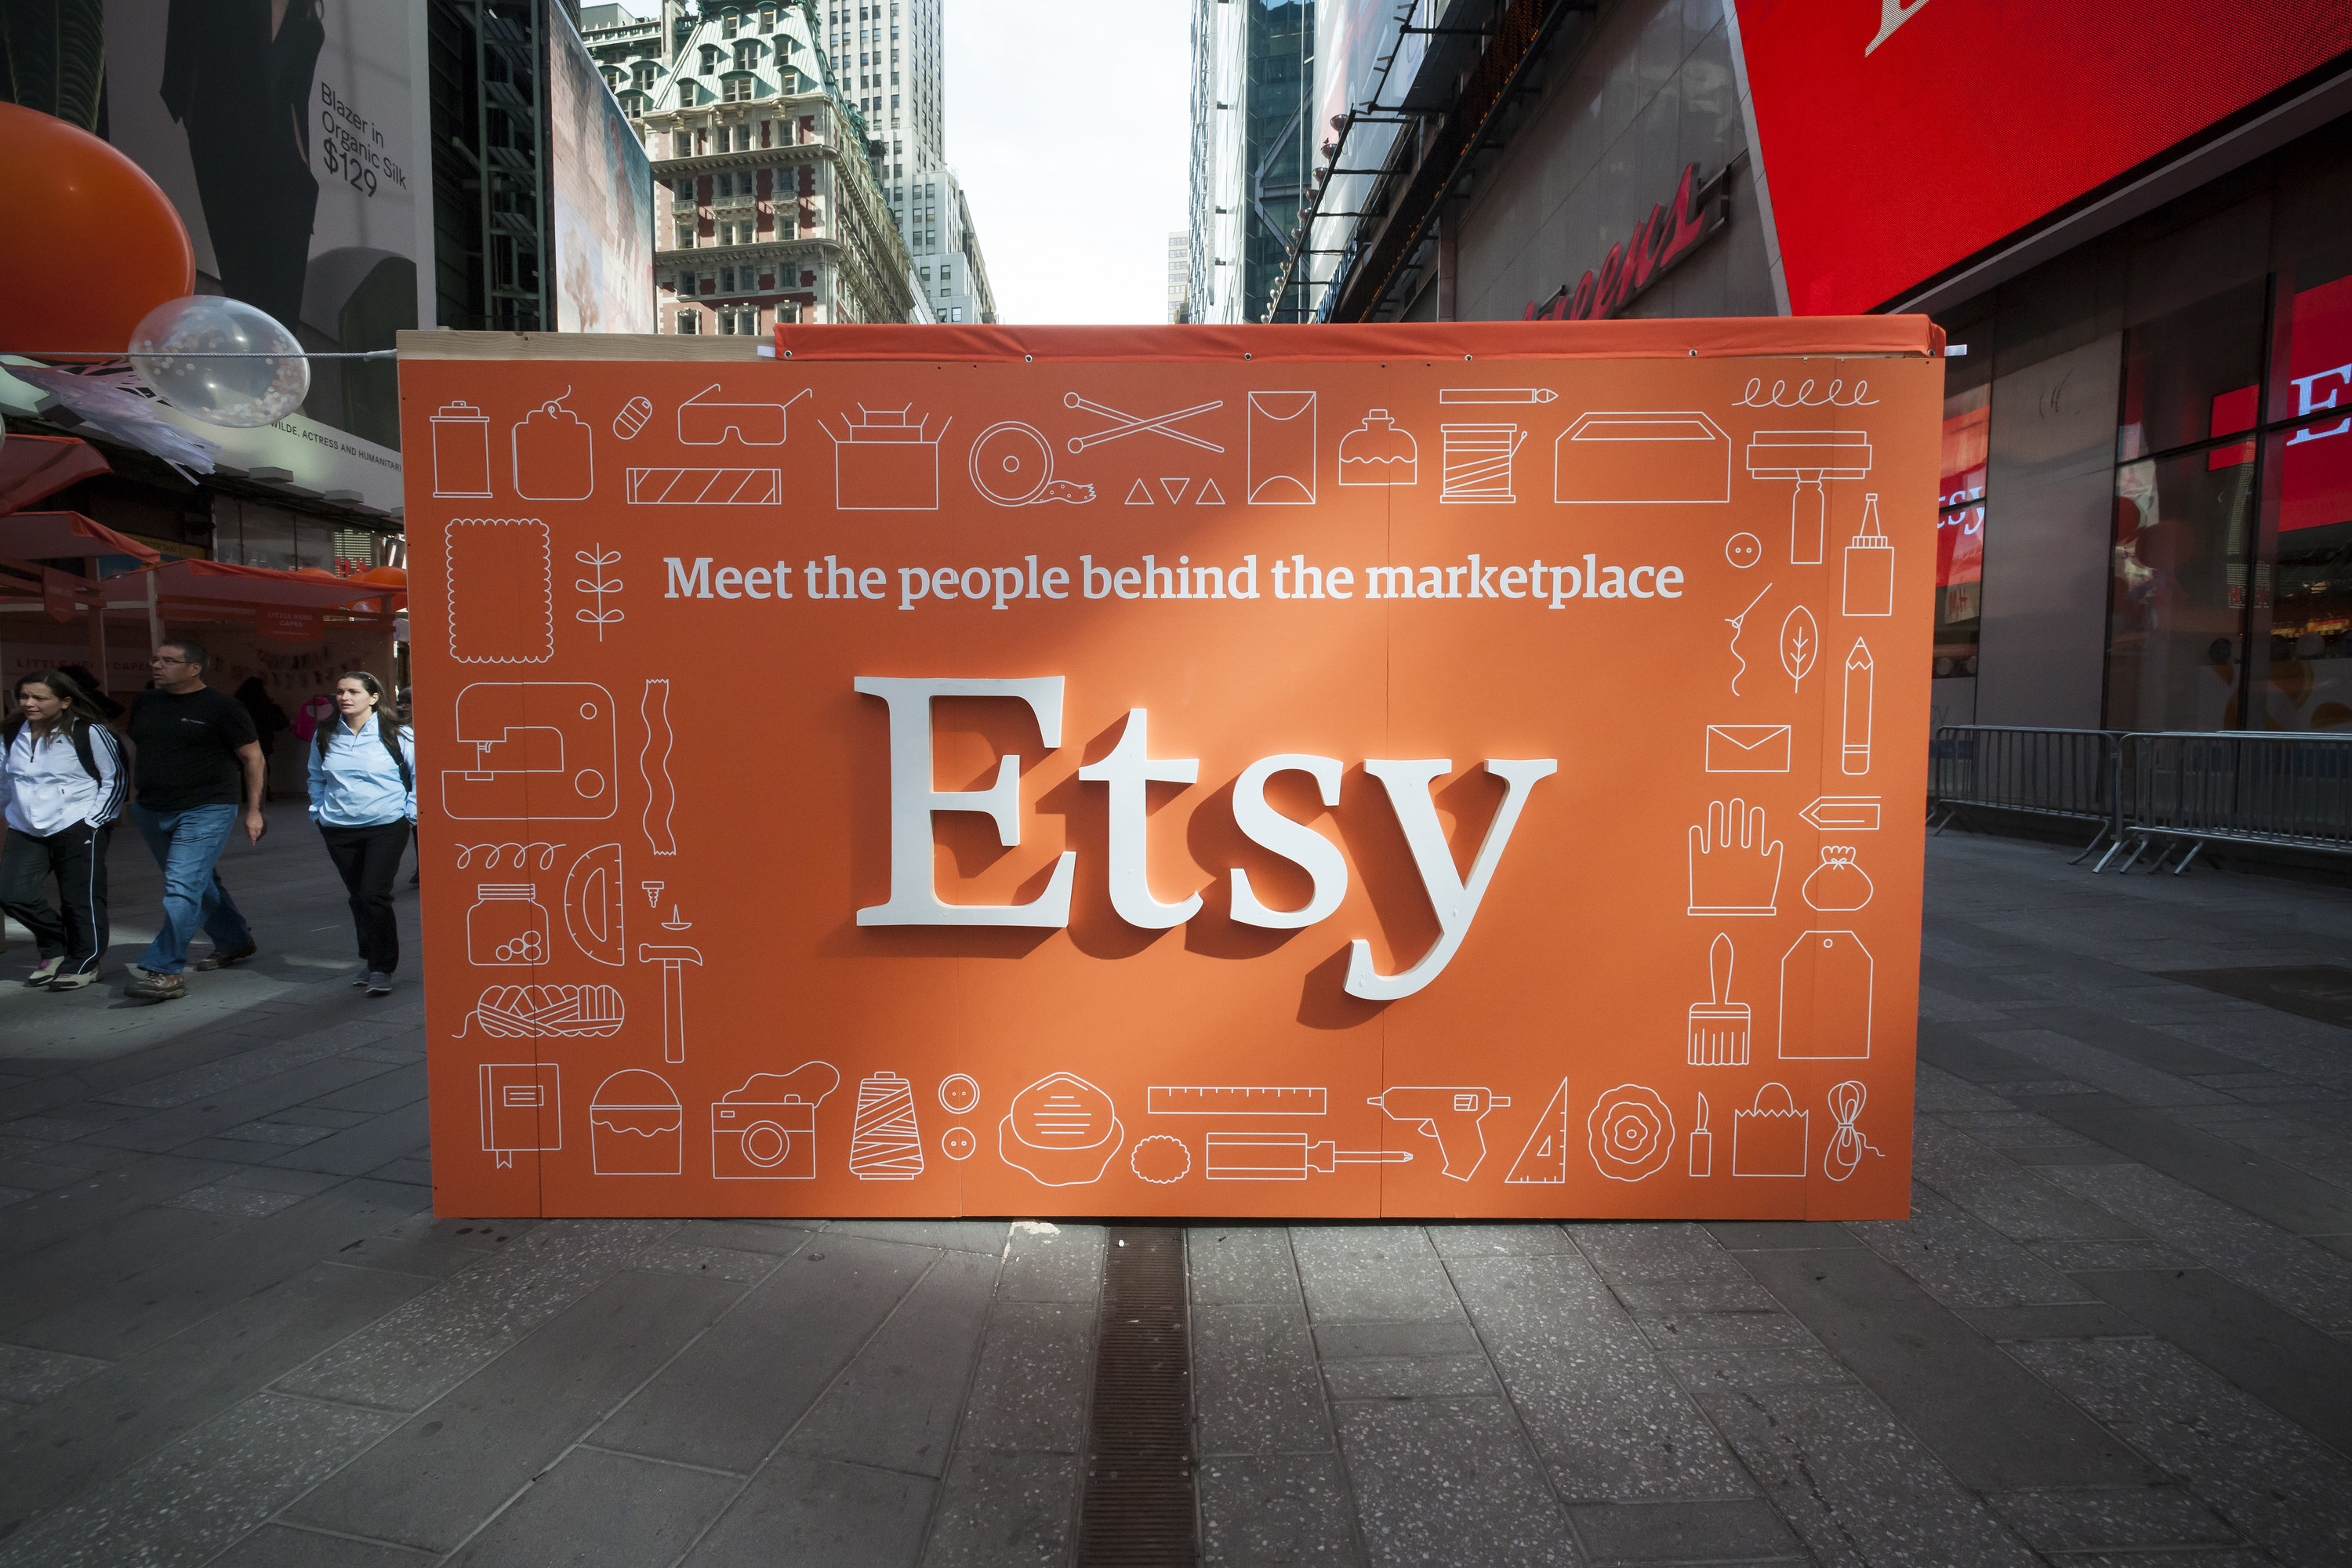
1901	136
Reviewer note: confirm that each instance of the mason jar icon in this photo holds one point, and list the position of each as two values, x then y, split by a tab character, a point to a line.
461	452
1377	453
507	925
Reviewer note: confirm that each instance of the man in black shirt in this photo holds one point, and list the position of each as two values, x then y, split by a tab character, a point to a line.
198	773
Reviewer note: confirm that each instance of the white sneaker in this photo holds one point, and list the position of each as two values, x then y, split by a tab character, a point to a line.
45	973
73	980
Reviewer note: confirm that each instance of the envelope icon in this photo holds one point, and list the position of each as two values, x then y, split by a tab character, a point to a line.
1281	449
1748	748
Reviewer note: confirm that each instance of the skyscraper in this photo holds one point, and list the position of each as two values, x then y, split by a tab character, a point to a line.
1252	150
1179	272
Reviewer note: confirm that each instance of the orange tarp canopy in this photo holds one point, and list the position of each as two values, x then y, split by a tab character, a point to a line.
219	585
52	535
34	467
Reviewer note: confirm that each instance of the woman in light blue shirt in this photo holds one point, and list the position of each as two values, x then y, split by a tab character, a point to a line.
364	798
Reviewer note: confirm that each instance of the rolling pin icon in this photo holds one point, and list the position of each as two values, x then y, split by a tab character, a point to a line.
672	960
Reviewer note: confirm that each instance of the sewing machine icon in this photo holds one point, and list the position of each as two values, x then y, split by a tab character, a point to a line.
542	749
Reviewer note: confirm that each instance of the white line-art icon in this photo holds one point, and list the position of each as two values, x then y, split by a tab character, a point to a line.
1174	488
1778	397
1681	458
1739	624
635	415
594	904
1138	423
766	1131
1843	813
1232	1099
506	926
1869	567
1496	394
959	1094
1543	1160
1769	1138
1733	870
522	1110
1718	1026
1837	885
882	463
501	591
541	750
1861	680
673	960
599	561
1282	449
1013	465
677	921
1062	1130
1161	1159
1449	1115
1378	453
1209	494
958	1143
653	767
636	1126
1825	995
1630	1132
1477	464
703	486
518	853
653	891
1743	550
554	453
1748	748
1702	1144
1801	644
1140	495
1808	457
1286	1157
461	453
1847	1144
704	421
553	1012
884	1144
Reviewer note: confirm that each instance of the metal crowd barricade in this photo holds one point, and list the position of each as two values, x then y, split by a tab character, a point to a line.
2242	787
2065	773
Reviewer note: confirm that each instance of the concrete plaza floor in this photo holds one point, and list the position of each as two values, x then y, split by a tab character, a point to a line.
2114	1330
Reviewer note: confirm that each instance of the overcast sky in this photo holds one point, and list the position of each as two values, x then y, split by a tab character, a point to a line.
1066	121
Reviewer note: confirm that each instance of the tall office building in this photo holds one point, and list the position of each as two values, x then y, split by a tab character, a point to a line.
892	65
1253	150
1179	271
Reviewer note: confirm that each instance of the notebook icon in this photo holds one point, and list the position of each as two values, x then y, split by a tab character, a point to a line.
521	1108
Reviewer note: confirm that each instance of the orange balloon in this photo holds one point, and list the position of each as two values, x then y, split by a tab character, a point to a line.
101	245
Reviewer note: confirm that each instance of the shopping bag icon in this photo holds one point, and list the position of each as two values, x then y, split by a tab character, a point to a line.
1282	449
1769	1138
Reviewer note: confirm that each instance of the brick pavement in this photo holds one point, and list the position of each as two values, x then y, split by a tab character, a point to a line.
2114	1329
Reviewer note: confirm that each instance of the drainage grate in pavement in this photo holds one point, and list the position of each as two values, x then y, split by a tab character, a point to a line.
1138	1508
2321	990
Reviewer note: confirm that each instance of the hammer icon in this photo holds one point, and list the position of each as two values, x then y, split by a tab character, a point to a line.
673	993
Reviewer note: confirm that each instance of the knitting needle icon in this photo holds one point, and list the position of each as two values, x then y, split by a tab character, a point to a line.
1735	623
673	961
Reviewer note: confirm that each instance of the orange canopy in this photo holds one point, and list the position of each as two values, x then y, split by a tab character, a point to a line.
196	585
33	467
50	535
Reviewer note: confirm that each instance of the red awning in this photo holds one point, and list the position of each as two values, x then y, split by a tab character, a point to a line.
33	467
50	535
191	586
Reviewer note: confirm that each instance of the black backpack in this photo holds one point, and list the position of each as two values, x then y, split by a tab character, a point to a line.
386	730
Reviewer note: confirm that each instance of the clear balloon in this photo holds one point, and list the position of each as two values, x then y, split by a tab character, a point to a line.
170	349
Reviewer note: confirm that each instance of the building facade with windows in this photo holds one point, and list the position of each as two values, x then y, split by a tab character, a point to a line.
1180	248
767	192
1253	148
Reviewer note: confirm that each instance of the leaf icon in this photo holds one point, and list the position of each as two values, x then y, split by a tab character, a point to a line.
1799	642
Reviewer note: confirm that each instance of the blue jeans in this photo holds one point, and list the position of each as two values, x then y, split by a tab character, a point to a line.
185	844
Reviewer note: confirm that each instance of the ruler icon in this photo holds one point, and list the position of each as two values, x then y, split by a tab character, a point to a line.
1234	1101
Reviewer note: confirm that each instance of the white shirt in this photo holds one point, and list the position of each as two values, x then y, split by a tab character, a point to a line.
45	789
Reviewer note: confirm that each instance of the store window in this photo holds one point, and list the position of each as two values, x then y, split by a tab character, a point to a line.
2299	674
2177	591
1960	520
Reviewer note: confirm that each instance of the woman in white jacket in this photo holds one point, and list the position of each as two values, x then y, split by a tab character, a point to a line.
61	787
364	798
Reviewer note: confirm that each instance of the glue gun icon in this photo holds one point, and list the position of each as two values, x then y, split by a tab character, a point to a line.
1449	1115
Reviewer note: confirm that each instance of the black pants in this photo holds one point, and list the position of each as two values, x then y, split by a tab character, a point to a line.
77	858
369	859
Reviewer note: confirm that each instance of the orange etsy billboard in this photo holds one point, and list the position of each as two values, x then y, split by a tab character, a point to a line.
1468	770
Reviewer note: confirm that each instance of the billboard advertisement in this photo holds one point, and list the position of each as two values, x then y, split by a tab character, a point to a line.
599	194
1900	137
1473	771
293	140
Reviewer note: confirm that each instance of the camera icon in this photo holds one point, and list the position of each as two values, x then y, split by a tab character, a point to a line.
766	1131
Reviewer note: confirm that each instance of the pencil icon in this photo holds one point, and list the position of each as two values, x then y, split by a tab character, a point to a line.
1855	757
1496	394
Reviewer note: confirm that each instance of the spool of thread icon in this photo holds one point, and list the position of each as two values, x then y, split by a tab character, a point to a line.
1478	463
884	1145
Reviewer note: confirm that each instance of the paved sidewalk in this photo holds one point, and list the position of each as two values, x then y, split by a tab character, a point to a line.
2117	1328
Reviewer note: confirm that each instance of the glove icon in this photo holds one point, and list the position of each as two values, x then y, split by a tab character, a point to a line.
1733	870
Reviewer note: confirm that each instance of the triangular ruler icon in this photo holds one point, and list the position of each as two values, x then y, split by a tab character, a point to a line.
1544	1162
1209	494
1138	496
1174	489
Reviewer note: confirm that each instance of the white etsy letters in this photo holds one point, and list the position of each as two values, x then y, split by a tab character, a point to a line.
1127	770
